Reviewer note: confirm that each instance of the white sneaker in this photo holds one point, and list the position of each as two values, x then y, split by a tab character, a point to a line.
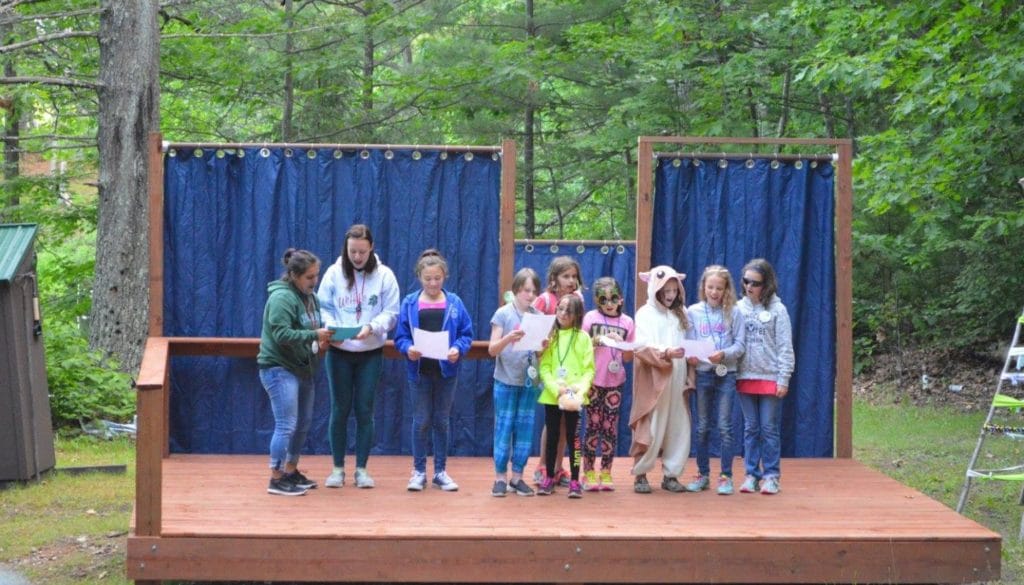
336	479
444	482
363	479
417	482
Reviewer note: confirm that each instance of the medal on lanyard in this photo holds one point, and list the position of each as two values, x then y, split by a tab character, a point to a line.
614	366
532	372
764	316
721	370
561	372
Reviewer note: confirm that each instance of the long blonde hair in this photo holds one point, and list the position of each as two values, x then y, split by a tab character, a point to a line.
728	297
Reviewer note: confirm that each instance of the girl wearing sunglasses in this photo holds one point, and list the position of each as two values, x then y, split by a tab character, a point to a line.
603	324
763	376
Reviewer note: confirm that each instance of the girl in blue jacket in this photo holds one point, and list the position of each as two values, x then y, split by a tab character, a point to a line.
432	382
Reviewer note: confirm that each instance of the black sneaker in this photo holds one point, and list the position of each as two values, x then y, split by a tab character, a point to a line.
300	480
520	488
499	489
283	487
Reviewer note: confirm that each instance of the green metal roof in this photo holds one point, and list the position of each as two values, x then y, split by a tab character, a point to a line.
15	241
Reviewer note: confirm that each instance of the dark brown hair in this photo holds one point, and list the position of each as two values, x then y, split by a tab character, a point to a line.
771	283
358	231
296	263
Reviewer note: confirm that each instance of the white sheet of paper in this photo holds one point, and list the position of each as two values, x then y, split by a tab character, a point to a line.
701	350
537	328
623	345
432	344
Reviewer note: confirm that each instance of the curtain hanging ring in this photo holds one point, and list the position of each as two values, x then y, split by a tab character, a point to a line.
364	154
444	153
388	154
528	247
416	152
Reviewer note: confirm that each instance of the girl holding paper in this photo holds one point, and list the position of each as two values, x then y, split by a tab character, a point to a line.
605	323
432	381
763	379
357	292
717	319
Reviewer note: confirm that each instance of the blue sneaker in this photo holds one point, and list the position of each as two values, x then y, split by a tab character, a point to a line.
699	484
725	485
444	482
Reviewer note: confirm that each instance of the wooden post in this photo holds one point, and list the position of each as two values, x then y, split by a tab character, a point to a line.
507	221
844	301
151	386
644	216
156	235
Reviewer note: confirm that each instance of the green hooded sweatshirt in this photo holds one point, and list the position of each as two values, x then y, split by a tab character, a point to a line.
289	330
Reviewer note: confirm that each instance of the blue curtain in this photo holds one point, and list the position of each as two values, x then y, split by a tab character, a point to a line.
230	214
732	211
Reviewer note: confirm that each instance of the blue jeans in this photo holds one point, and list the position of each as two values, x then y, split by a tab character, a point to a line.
291	399
762	446
353	378
432	397
715	393
514	408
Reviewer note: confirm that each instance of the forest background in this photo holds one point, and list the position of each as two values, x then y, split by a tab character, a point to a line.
929	91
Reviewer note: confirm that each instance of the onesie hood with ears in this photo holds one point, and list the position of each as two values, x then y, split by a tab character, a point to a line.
656	279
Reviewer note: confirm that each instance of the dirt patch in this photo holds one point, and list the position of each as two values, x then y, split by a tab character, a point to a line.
961	379
104	554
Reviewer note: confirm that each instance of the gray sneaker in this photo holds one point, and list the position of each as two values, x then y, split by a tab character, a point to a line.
363	479
336	479
770	487
500	489
520	488
671	484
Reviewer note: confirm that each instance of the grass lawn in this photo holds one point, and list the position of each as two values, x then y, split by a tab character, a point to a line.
71	528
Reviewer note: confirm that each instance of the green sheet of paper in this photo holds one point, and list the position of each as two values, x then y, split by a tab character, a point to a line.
343	333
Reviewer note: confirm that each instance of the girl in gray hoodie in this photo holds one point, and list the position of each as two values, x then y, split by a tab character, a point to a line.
763	376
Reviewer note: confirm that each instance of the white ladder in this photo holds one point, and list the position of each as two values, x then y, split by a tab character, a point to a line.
1013	373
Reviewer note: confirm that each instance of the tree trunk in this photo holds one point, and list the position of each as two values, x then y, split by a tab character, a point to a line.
129	102
287	132
12	131
826	114
529	196
369	61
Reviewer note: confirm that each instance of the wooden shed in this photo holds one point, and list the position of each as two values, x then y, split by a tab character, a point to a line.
26	433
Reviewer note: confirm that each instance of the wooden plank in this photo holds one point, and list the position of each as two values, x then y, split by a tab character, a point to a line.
507	220
248	347
644	216
734	140
572	560
844	302
153	369
156	235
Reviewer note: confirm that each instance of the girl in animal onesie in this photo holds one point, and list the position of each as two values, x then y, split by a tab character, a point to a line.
660	418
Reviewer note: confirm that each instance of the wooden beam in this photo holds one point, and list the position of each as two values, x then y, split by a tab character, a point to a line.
156	236
151	435
844	301
507	219
833	142
248	347
644	216
567	560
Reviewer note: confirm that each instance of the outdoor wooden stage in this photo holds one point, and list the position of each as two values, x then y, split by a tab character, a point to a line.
835	521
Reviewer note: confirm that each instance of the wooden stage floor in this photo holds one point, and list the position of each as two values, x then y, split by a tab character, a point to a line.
835	521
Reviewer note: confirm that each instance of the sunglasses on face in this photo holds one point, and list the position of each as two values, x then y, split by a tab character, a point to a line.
614	299
753	283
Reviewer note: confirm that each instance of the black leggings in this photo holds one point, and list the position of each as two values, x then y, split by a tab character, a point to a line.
553	420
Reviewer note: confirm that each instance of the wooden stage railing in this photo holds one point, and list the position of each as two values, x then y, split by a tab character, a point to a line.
154	409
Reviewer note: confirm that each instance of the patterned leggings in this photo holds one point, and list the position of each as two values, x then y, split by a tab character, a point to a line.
602	426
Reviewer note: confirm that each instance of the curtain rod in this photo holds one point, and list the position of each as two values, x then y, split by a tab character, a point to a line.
747	156
575	242
165	146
